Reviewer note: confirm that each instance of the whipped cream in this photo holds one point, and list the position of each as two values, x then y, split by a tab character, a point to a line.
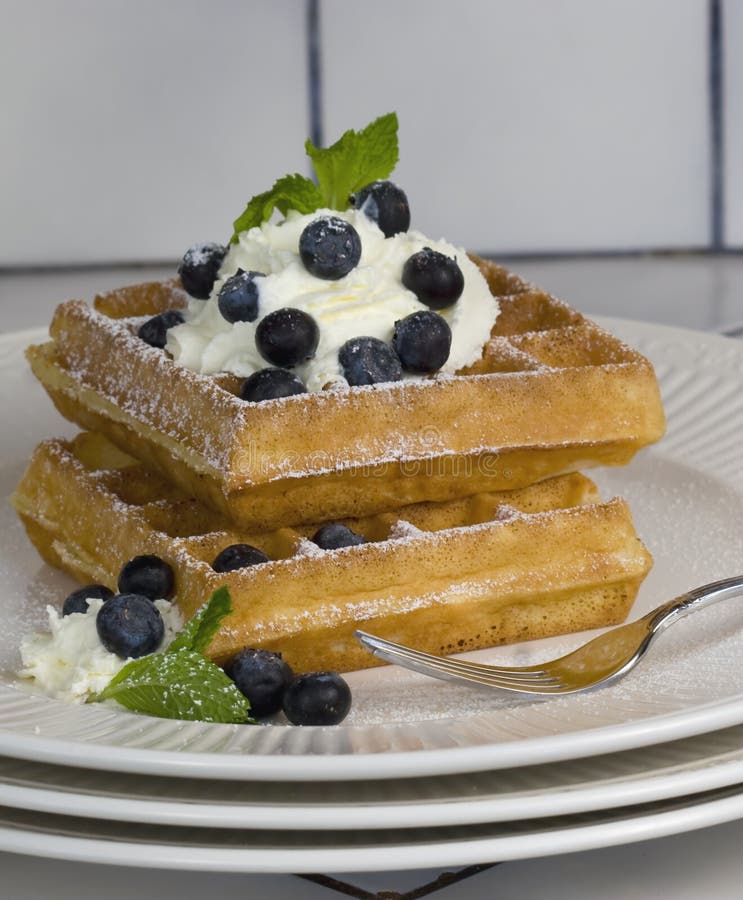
69	662
366	302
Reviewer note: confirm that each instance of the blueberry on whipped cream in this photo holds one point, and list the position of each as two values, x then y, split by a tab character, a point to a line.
367	360
77	601
386	204
422	341
364	303
199	268
330	247
434	278
287	337
155	330
270	384
238	297
130	626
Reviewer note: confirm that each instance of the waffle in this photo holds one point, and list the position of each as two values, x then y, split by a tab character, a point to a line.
552	393
490	569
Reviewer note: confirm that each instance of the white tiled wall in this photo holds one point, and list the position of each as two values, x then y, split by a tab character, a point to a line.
132	128
535	125
733	75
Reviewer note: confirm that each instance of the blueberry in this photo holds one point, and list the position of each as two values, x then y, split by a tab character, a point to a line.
268	384
148	576
422	341
77	601
287	337
263	677
238	556
434	278
386	204
317	698
330	247
334	535
200	267
155	330
130	626
238	297
367	360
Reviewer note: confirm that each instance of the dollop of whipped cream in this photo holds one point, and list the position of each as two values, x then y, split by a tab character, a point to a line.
69	662
366	302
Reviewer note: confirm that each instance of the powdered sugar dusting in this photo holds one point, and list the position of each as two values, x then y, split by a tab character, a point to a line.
403	530
308	548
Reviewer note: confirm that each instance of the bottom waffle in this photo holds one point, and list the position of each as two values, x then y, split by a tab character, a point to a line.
445	577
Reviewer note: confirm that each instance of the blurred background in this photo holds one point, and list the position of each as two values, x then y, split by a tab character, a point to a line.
595	146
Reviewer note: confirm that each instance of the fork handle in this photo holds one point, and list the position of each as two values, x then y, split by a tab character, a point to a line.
705	595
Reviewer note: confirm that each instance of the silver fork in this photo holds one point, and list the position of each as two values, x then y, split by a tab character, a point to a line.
600	661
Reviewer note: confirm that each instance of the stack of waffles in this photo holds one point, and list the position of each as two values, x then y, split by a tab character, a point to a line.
478	528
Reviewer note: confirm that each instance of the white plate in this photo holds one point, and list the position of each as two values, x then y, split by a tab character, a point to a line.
676	769
687	498
352	850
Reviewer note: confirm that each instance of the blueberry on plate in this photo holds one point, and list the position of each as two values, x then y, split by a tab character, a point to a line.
77	601
270	384
148	576
422	340
263	677
287	337
330	247
155	330
200	267
367	360
335	535
130	626
434	278
238	297
238	556
317	698
386	204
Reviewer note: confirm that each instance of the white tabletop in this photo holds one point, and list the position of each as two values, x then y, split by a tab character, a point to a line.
698	292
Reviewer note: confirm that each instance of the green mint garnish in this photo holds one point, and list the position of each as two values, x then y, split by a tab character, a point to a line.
198	632
353	161
289	192
181	683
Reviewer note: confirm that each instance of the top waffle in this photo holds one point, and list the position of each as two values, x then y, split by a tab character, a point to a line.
553	392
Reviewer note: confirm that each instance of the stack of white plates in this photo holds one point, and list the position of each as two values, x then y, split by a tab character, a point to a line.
422	773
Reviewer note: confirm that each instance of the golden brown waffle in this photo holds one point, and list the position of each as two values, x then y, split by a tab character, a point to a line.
494	568
552	393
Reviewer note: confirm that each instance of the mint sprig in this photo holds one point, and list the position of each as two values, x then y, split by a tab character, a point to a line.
290	192
197	633
353	161
181	683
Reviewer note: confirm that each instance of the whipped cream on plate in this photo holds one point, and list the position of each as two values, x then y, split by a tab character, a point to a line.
69	662
366	302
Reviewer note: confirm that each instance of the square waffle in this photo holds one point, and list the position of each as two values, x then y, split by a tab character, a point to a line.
450	576
552	393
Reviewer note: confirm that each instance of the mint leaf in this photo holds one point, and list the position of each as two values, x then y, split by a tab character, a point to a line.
179	685
198	632
355	160
289	192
